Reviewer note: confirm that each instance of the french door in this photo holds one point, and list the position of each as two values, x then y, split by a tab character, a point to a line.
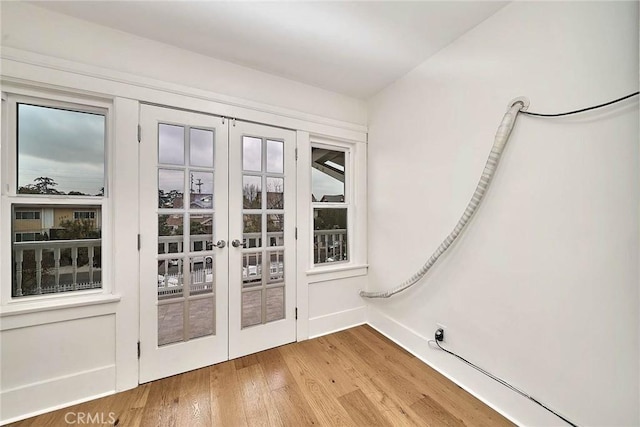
217	253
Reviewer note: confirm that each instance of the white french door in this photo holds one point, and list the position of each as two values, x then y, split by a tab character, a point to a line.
203	182
262	229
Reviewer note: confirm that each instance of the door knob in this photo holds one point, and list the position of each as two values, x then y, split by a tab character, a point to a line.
221	244
237	243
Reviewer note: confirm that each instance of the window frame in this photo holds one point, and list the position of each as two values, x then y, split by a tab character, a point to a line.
12	96
349	196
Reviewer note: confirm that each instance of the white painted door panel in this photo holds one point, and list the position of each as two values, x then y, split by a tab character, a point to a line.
183	274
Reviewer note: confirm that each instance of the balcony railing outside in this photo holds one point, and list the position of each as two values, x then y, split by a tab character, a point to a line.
329	246
45	274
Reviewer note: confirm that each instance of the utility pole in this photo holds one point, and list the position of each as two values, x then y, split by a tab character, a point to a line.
199	185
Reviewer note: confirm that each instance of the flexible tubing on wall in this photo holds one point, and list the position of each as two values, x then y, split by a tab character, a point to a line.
502	136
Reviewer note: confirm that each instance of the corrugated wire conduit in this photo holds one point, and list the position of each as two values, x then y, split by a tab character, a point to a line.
502	136
516	106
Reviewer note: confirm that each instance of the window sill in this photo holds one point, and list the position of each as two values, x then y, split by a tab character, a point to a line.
22	313
336	272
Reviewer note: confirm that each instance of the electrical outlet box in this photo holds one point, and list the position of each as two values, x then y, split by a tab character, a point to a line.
444	329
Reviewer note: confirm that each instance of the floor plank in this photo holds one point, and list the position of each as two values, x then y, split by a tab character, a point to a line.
355	377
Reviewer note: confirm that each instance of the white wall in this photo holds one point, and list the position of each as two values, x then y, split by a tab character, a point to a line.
543	288
41	31
52	51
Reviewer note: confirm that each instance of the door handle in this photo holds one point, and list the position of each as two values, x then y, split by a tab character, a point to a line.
221	244
237	244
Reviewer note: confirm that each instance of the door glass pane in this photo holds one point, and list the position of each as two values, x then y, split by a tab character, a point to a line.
276	266
251	192
201	147
201	189
170	228
251	154
202	280
329	235
275	303
275	156
275	227
201	317
60	151
275	193
170	144
201	231
251	269
251	308
170	188
170	323
327	175
252	231
170	278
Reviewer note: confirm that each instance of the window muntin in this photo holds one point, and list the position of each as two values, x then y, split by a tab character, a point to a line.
60	151
330	202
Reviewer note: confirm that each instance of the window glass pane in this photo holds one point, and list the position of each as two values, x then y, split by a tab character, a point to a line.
275	227
170	188
252	231
201	148
251	308
275	193
327	175
251	192
276	266
170	323
60	151
170	144
275	156
275	304
201	188
56	251
329	235
170	231
201	231
201	275
202	317
170	278
251	154
251	269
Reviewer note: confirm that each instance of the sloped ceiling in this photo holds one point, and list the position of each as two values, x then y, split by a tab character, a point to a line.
353	48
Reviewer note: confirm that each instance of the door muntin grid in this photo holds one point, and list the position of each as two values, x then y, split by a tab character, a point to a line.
263	253
186	224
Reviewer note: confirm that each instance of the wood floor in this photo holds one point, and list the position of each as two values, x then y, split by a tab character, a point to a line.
355	377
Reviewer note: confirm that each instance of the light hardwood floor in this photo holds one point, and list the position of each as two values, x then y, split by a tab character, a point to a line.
355	377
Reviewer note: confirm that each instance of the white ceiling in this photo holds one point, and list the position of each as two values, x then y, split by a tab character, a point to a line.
354	48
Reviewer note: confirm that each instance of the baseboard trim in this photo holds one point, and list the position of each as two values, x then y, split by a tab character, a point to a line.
38	398
417	345
334	322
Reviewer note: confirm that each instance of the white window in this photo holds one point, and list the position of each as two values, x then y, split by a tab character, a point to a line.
331	202
27	237
55	195
27	214
84	215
